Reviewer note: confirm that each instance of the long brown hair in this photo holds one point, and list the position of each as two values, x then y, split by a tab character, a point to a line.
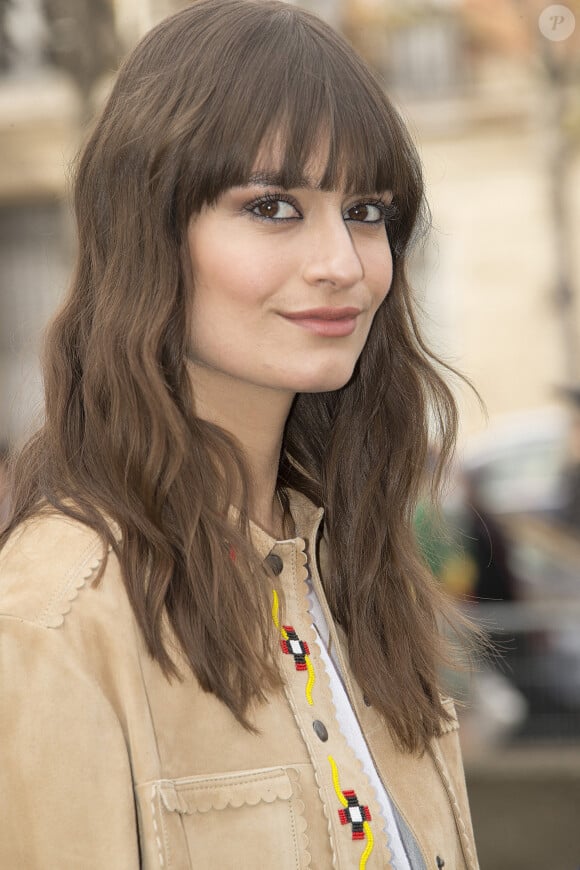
190	110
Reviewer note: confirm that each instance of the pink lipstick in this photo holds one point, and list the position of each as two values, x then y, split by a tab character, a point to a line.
331	322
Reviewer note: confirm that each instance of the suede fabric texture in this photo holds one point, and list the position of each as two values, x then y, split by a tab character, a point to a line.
108	766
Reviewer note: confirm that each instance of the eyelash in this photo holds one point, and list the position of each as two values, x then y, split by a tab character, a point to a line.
271	197
388	211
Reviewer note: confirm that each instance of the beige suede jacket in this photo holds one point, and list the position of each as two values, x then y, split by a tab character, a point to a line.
105	765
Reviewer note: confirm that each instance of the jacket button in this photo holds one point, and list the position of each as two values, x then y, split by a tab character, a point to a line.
440	862
275	562
320	730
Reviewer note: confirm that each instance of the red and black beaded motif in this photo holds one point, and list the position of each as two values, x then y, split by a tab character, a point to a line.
354	814
292	645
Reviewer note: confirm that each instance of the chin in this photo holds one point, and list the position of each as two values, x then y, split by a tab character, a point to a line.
323	383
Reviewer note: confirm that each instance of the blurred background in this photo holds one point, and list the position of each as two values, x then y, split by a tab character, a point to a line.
491	92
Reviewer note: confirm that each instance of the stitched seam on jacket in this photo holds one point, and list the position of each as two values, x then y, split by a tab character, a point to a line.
156	828
468	855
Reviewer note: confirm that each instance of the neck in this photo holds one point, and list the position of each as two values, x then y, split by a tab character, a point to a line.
256	417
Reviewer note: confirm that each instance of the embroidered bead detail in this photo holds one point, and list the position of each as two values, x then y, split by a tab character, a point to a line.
292	645
295	647
353	813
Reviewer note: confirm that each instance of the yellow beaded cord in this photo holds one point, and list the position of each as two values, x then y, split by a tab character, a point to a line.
310	682
369	848
275	610
336	782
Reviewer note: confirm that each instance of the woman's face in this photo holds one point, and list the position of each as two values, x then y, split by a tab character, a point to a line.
262	252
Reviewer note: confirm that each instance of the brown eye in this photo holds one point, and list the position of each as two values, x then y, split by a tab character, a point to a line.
274	209
358	213
267	209
365	212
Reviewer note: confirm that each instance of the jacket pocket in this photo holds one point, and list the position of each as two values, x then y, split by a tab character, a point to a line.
242	820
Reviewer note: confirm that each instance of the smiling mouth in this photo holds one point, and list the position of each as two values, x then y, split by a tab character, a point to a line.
324	314
330	328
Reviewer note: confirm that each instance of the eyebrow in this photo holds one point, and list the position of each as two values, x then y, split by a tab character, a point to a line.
272	178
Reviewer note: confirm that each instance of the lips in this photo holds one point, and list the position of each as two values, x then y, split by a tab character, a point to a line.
334	327
324	314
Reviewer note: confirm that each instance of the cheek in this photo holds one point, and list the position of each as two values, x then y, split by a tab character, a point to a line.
378	265
231	271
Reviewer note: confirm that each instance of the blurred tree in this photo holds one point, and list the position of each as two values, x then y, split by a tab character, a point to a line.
5	43
82	41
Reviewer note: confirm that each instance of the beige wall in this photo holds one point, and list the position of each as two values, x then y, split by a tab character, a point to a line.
490	279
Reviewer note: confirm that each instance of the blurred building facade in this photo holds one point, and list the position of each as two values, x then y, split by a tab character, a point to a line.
53	53
490	124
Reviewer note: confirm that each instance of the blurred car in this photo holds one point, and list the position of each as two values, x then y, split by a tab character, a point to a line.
517	463
517	470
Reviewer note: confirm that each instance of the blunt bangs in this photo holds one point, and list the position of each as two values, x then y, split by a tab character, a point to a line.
228	87
278	81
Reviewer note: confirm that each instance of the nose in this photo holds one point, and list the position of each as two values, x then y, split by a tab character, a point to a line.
331	254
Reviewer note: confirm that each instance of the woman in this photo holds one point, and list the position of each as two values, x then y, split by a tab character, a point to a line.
219	646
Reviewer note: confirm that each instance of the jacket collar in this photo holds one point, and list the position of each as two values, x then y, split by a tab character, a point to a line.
305	515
